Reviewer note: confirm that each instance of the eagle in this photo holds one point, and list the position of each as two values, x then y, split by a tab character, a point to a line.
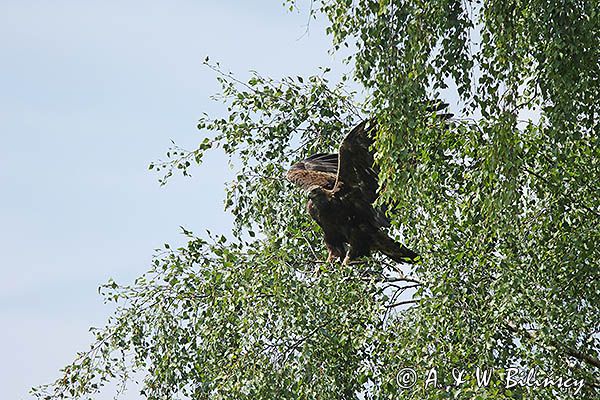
341	191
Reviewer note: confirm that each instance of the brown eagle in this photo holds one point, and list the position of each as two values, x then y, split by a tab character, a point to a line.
341	189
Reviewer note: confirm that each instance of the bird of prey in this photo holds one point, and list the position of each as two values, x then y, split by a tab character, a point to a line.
341	189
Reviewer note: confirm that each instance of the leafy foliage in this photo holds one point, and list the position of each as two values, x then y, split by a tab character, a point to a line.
503	206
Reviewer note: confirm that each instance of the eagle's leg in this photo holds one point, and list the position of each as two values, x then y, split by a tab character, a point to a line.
334	253
350	255
346	259
331	257
357	249
335	248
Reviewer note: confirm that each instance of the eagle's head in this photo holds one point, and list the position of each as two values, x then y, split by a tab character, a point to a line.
318	195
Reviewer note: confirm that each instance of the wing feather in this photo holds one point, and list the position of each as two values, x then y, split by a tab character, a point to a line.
316	170
356	169
322	162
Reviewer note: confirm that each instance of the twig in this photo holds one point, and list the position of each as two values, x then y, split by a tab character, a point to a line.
310	14
587	358
402	278
400	303
566	192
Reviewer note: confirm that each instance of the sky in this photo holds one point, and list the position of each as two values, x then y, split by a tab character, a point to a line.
90	94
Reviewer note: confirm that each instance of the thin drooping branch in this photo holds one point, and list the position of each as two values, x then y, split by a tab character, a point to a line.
294	346
400	303
587	358
402	278
563	191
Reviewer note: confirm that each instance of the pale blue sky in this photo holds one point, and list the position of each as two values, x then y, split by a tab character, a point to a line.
90	93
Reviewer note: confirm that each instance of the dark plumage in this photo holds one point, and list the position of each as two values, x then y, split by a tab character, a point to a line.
341	191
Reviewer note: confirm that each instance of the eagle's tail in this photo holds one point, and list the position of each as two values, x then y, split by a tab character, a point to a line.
395	250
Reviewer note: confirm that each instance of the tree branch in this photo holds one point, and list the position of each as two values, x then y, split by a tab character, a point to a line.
587	358
400	303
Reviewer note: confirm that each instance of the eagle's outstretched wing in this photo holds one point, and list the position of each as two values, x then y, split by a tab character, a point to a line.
356	169
316	170
357	173
322	162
